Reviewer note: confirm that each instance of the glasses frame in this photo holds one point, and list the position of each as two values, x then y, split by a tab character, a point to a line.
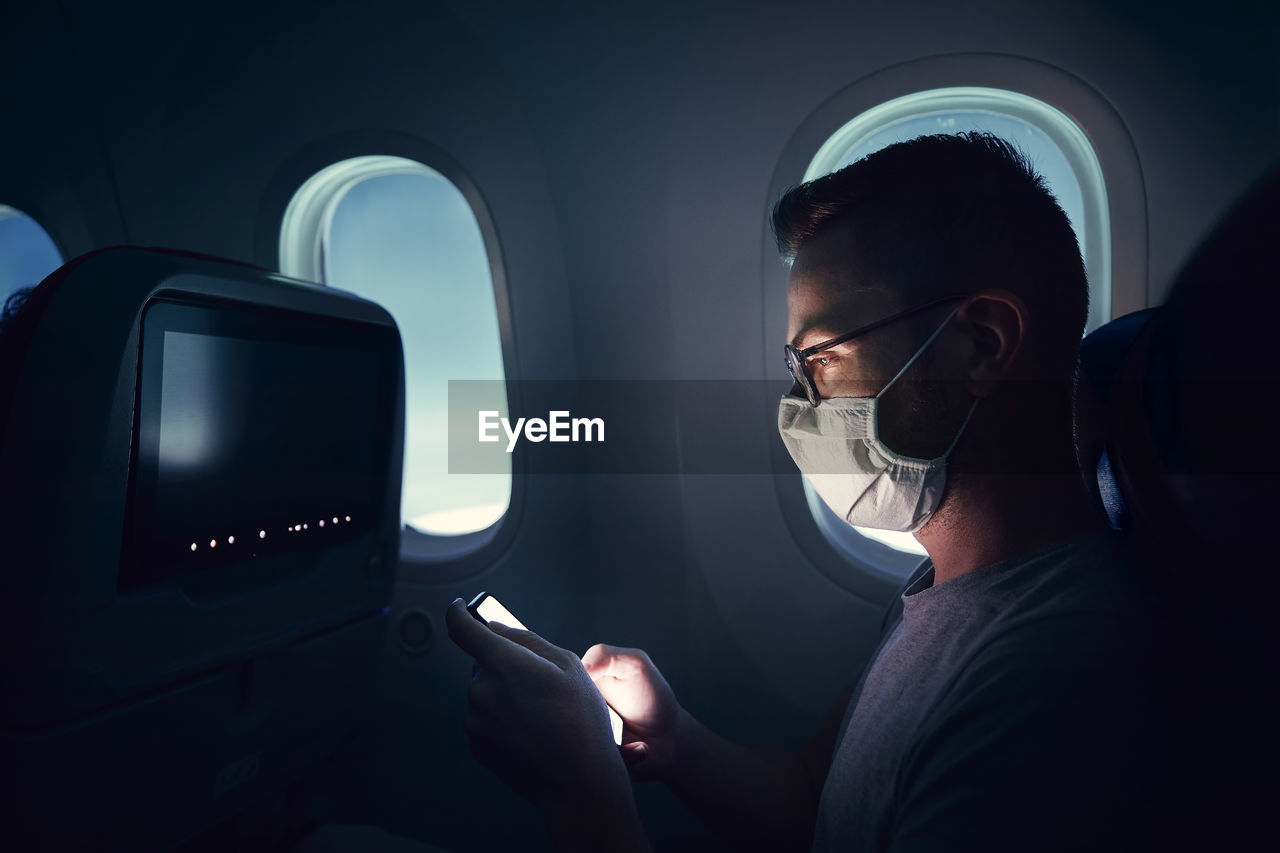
797	360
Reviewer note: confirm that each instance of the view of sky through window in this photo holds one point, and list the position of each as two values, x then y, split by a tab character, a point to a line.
410	242
27	254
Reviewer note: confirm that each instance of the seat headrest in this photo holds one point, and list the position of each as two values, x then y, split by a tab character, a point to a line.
1101	354
1193	419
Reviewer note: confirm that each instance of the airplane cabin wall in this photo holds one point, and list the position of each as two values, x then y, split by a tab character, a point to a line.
625	155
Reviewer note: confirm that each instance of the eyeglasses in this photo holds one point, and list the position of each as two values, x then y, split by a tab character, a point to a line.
798	359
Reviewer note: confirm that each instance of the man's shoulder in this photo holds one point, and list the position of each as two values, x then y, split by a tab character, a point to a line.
1091	662
1064	688
1057	589
1097	585
1098	612
1088	633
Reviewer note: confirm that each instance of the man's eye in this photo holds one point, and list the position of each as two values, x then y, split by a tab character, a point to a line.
821	360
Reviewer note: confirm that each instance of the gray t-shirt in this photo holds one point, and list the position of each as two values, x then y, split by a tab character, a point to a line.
1016	707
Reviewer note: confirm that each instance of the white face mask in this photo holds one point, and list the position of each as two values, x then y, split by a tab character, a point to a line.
837	446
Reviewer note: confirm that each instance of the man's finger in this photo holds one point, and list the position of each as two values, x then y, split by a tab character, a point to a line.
473	637
634	753
531	641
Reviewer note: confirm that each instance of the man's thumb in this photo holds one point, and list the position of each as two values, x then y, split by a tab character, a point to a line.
635	752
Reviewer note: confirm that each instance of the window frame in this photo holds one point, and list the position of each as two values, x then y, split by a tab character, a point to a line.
863	566
290	235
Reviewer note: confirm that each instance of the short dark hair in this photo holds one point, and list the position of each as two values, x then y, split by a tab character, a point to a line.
952	214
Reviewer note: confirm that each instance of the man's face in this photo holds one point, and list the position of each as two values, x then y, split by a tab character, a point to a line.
827	297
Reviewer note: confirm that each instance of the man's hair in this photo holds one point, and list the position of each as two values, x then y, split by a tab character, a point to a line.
947	214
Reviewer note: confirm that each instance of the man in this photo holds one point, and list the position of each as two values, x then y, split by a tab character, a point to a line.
936	301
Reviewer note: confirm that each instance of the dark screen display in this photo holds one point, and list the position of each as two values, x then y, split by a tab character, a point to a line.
262	439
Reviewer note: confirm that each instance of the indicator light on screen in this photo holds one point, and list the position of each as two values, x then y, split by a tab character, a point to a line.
335	519
322	522
231	540
262	534
213	543
348	518
193	546
304	527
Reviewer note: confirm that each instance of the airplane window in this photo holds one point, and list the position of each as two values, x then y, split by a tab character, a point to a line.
403	235
27	254
1058	150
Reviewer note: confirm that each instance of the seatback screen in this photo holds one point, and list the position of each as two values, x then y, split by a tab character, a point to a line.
262	440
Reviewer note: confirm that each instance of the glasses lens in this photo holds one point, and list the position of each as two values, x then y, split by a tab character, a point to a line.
796	366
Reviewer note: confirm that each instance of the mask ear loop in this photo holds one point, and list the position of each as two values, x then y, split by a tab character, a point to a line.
956	440
924	346
912	360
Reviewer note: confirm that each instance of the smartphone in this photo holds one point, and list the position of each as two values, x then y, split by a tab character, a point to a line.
486	608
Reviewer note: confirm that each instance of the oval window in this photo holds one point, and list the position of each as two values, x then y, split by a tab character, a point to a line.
403	235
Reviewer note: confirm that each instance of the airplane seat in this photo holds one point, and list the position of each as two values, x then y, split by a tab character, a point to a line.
1188	437
199	519
1192	418
1100	355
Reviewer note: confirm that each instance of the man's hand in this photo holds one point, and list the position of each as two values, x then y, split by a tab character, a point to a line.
654	720
534	718
755	798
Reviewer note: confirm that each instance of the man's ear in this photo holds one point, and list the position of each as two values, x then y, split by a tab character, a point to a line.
997	323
